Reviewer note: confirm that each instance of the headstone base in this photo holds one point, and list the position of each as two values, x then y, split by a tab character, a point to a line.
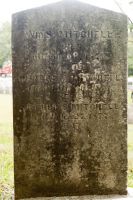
129	196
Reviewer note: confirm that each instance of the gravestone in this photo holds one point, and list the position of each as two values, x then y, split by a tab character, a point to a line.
70	107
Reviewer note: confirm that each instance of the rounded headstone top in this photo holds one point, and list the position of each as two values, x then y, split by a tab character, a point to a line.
70	1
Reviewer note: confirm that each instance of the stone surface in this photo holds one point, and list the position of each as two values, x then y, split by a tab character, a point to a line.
70	108
91	197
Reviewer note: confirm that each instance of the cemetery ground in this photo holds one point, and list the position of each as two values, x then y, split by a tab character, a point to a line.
6	149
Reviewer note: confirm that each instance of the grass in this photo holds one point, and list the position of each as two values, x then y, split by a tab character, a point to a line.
129	98
6	171
130	155
6	149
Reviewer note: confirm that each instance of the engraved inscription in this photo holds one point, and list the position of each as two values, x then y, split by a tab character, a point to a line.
70	108
91	34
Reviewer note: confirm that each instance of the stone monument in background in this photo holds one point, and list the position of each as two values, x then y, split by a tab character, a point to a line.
70	106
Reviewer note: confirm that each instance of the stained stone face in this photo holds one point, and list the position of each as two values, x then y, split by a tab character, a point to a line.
70	107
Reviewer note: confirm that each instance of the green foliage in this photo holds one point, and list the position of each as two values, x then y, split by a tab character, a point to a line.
130	178
130	54
5	43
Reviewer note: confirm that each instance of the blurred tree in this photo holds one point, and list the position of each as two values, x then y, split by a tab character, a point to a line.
130	27
130	44
5	43
130	49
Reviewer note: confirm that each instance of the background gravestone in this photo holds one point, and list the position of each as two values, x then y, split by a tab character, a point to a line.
70	107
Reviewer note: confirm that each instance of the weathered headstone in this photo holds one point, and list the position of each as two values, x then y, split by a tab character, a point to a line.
70	107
